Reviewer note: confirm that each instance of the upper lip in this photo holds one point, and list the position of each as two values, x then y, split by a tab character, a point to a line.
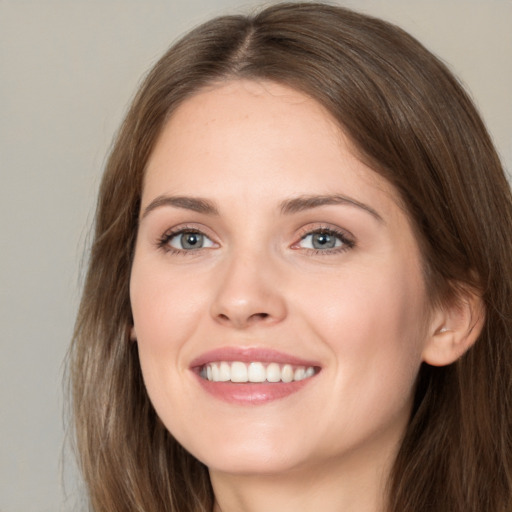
248	355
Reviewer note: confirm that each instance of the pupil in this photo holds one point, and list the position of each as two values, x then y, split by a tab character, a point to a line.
191	240
323	241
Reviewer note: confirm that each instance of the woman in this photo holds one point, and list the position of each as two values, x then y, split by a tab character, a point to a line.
299	292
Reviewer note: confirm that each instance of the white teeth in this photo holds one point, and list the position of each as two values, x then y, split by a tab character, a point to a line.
224	372
299	374
215	373
287	373
239	372
309	372
257	372
273	372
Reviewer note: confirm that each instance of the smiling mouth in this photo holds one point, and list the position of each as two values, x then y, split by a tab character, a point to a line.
255	372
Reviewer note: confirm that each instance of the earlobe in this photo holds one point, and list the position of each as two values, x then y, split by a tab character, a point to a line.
133	335
454	329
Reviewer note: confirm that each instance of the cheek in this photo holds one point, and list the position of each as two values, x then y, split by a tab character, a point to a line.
165	311
165	316
373	324
350	305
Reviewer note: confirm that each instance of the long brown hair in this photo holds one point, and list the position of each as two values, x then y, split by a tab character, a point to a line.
412	123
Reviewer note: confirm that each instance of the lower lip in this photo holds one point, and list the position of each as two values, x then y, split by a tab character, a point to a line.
248	393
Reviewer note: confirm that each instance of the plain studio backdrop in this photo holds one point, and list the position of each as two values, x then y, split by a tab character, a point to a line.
68	69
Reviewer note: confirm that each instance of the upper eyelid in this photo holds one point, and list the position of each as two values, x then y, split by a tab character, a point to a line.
183	228
304	231
328	228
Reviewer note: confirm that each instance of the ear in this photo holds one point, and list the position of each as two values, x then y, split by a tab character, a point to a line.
133	334
454	329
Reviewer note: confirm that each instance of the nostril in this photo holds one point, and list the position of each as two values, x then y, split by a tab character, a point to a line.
254	318
259	316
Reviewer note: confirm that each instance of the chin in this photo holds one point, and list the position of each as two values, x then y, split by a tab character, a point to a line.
248	455
252	464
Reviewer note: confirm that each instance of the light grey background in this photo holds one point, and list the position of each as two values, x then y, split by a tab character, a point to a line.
67	72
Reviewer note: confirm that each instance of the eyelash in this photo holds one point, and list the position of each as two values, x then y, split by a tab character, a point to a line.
346	241
163	241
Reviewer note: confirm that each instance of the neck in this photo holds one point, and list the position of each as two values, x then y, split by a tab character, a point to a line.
329	487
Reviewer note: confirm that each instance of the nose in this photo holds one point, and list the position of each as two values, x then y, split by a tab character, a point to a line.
248	293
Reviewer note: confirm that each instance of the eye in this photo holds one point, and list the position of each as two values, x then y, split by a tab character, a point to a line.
186	240
325	240
320	241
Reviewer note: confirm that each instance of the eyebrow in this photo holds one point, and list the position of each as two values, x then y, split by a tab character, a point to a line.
195	204
288	206
299	204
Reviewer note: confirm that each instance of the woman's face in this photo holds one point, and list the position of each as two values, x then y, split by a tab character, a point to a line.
268	252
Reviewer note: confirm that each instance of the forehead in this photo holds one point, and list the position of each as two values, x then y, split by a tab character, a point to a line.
225	115
260	137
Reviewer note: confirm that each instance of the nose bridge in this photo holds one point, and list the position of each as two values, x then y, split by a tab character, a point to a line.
247	291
